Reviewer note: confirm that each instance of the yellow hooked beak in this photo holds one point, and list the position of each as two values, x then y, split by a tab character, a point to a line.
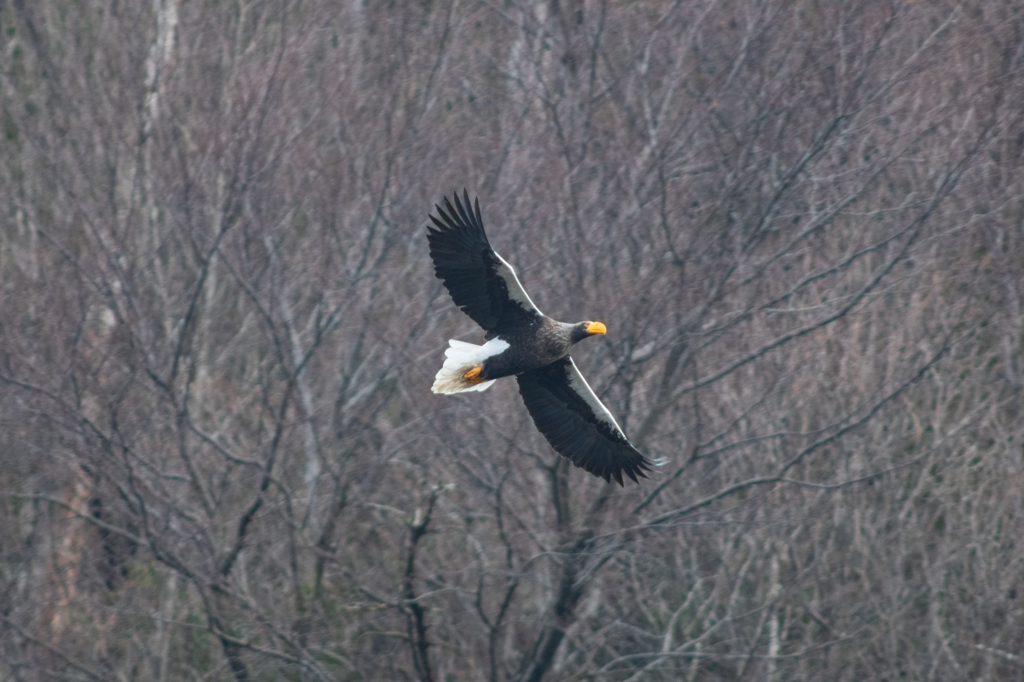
597	328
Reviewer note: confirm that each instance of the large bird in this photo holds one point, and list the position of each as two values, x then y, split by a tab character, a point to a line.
524	342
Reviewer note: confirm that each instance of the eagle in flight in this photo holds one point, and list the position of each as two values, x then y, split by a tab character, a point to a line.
525	343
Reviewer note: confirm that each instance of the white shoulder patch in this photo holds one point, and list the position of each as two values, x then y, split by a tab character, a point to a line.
495	346
515	288
580	385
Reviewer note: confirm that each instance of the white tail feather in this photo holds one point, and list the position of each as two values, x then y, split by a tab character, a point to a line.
459	359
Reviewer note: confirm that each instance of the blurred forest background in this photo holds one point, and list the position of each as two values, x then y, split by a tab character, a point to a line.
801	220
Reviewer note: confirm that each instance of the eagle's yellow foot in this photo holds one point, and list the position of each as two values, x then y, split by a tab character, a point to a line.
473	375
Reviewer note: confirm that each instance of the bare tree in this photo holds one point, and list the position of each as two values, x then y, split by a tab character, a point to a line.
801	222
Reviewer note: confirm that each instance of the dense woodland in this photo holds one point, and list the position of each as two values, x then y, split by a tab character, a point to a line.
801	220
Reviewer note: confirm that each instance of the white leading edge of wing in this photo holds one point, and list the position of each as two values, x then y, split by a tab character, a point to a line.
515	288
580	385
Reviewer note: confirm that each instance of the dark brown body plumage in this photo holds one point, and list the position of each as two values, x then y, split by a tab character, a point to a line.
532	346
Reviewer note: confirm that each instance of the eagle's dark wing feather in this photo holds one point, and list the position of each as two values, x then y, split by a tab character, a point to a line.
481	283
577	424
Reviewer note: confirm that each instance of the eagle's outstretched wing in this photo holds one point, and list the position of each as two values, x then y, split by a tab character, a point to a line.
480	281
577	424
